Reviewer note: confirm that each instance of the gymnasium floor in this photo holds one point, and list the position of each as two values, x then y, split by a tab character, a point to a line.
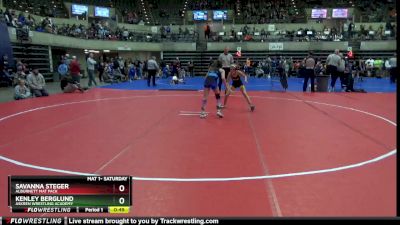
298	154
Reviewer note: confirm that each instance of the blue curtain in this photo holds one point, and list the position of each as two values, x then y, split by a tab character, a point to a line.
5	45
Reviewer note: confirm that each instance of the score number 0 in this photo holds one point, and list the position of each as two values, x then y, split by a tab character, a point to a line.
121	200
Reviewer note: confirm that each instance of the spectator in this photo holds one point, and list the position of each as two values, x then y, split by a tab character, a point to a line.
5	77
361	68
21	19
319	68
100	69
348	75
175	67
340	71
62	69
267	67
30	21
286	67
75	70
21	91
67	59
345	29
191	68
139	69
211	61
247	67
125	34
2	17
290	64
90	66
166	71
332	64
19	75
4	62
37	83
20	64
369	64
387	67
121	65
351	29
378	65
393	69
207	31
282	76
108	76
145	70
132	72
8	17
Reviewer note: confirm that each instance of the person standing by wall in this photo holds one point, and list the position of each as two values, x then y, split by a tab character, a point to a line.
207	31
340	71
132	72
191	68
282	75
332	64
348	75
75	69
175	67
90	66
62	69
152	69
101	69
393	69
361	69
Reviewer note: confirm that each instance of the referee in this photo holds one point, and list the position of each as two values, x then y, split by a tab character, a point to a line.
227	60
153	69
309	72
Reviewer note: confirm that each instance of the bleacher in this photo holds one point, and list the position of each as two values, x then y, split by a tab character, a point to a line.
171	9
124	7
35	56
51	8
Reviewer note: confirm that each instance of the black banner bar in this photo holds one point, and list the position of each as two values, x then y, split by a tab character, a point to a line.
44	209
33	220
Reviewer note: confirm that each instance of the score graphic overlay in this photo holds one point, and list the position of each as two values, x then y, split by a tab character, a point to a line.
69	194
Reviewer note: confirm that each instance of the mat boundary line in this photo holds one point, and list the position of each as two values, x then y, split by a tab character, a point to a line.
313	172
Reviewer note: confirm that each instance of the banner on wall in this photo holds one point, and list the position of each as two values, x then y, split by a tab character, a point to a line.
125	48
271	27
154	30
275	46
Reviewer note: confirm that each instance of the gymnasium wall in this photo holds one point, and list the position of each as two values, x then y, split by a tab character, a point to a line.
70	42
378	45
286	46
